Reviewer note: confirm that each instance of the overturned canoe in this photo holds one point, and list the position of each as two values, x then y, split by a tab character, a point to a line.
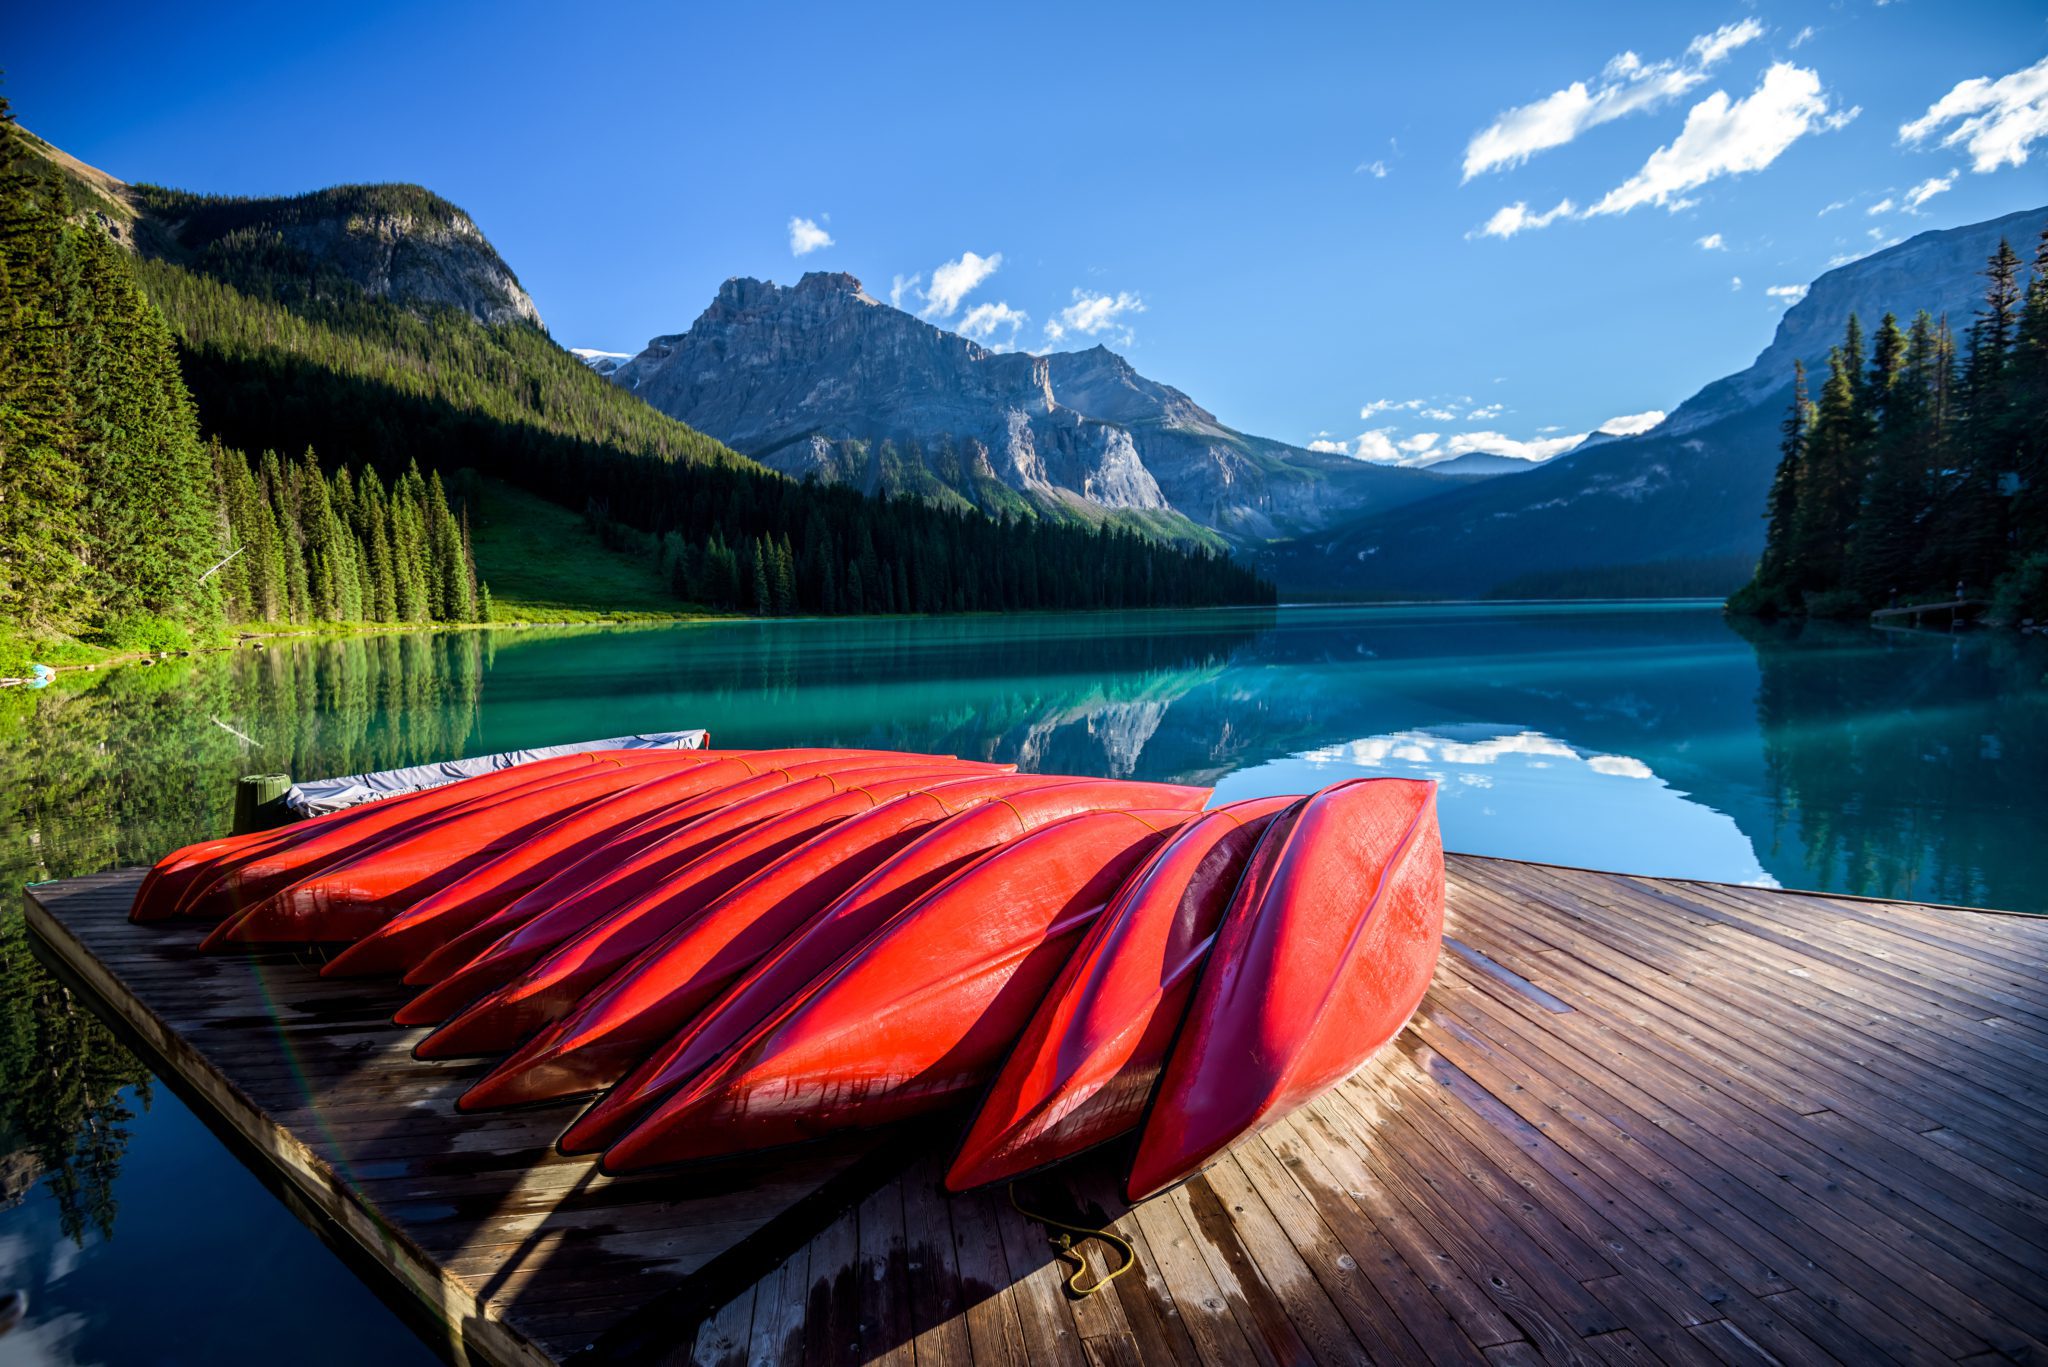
186	881
637	1012
918	1016
1081	1073
349	899
545	991
413	934
236	884
1324	954
672	980
529	931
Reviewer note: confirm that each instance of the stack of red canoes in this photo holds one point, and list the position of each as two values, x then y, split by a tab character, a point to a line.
736	950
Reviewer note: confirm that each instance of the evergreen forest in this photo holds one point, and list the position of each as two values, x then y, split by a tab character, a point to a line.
1919	471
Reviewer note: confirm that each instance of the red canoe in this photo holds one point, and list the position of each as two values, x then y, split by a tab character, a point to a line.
527	933
1082	1071
184	879
922	1013
1324	954
604	1036
275	867
348	900
779	977
424	927
551	986
630	863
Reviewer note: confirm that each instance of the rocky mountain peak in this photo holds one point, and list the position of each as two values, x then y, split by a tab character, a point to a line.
820	379
390	241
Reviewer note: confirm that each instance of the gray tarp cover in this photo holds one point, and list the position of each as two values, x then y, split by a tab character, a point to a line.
333	794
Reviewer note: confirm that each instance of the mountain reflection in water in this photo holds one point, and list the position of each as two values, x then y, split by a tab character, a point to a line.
1651	739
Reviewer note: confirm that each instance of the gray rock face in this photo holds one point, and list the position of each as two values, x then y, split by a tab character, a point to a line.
417	259
820	378
1689	491
1941	272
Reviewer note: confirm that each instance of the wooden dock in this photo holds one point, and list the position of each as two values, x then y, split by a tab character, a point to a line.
1634	1120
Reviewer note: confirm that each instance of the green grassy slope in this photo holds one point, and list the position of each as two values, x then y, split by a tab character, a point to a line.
544	564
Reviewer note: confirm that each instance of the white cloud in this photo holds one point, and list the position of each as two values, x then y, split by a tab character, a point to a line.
1486	413
1438	415
1996	120
1626	86
805	236
1096	315
1883	206
1629	424
955	280
1334	448
1928	189
1376	169
1735	282
1515	218
905	284
1801	38
1712	242
1501	444
1838	204
1419	443
1724	137
1791	294
984	321
1389	406
1378	447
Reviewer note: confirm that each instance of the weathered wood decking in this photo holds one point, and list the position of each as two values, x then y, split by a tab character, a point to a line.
1634	1119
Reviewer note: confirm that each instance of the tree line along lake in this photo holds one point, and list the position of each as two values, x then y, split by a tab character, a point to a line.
1651	738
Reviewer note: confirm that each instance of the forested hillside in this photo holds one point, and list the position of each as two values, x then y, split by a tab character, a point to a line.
375	326
1921	471
276	364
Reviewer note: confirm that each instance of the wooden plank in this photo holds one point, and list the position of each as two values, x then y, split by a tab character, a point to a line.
938	1307
1635	1120
532	1255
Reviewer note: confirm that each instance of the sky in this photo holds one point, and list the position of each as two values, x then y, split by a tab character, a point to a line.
1398	230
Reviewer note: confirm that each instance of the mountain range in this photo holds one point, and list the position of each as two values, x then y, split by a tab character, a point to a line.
822	379
1677	509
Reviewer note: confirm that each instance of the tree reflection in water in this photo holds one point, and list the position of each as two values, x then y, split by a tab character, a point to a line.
117	767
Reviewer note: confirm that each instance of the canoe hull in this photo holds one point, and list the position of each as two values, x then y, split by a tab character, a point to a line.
1324	955
782	975
920	1015
1082	1071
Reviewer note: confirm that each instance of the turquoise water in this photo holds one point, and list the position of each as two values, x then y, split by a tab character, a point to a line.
1651	739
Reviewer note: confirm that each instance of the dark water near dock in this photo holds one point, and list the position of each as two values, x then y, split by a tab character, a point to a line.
1656	740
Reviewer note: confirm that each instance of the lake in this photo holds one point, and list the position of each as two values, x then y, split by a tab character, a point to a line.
1653	739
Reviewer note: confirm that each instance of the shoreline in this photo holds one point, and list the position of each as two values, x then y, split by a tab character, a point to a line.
244	637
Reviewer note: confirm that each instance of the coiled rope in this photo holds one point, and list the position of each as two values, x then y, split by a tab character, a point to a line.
1063	1244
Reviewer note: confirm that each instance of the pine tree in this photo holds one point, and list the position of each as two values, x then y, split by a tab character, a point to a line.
2030	405
1888	528
41	514
1779	569
1831	478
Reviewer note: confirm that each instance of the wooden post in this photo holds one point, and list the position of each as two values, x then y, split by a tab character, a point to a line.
259	802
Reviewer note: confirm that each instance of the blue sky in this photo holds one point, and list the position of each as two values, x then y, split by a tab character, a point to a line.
1284	210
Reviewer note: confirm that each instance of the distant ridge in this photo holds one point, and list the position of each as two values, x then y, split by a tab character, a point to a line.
1680	502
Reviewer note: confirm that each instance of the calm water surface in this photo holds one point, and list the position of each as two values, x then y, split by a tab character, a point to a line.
1654	740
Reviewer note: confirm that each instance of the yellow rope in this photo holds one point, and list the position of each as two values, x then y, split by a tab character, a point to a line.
1064	1244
